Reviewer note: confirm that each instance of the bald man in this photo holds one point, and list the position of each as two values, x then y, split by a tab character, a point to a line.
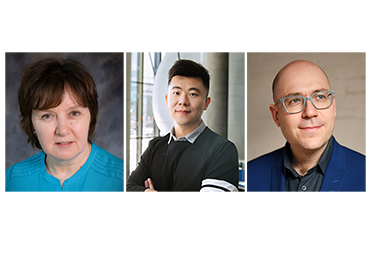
311	160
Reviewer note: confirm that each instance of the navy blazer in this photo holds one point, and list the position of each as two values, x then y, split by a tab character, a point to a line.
345	171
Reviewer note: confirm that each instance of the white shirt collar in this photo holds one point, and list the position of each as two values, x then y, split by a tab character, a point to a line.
190	137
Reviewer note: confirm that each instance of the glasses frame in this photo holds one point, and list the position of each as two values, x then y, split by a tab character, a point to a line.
305	99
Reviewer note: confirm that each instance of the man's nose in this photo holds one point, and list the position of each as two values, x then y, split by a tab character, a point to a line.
309	110
184	99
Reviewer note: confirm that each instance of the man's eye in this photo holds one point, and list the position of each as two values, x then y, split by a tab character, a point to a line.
193	94
294	100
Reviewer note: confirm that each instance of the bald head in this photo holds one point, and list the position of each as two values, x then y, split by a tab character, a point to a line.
298	72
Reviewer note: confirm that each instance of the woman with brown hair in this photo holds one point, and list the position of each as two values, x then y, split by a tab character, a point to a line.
59	108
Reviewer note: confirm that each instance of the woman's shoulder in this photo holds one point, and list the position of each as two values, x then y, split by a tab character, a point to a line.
107	163
105	155
26	167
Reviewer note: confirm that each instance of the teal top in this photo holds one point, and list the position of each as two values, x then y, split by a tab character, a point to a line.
102	171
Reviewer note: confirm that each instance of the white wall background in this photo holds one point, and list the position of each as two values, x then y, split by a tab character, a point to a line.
346	72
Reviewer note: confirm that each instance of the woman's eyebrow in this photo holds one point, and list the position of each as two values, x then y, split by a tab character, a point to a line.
76	107
68	109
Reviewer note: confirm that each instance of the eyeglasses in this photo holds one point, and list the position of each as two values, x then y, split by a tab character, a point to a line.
295	104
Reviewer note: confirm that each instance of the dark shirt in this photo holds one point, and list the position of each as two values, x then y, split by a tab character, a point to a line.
312	180
211	161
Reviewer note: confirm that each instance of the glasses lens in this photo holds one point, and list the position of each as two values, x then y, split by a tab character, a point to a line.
322	100
294	104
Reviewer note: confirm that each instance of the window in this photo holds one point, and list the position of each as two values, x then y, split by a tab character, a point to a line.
142	124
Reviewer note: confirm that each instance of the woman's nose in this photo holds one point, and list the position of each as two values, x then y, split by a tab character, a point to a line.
63	126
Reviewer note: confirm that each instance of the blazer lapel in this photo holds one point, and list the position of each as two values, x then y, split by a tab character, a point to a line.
336	170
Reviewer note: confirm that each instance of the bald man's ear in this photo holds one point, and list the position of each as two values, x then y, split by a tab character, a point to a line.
275	114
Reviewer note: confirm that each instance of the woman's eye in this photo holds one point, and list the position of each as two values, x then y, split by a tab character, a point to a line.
75	113
46	116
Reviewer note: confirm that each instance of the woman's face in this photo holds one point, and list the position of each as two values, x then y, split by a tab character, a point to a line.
63	131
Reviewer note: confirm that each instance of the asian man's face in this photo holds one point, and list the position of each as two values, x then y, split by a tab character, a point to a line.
311	129
186	100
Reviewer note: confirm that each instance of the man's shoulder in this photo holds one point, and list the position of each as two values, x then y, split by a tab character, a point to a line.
354	161
350	154
268	159
348	166
262	165
259	170
158	141
211	137
211	134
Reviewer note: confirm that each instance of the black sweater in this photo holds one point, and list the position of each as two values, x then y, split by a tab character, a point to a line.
181	166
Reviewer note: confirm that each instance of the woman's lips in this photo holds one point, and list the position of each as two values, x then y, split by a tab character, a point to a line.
64	144
310	129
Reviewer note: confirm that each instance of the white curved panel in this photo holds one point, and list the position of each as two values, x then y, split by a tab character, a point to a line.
161	115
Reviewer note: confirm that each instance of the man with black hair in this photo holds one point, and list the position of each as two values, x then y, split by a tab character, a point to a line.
191	157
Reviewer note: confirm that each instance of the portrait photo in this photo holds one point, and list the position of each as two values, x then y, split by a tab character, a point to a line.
69	101
185	122
306	121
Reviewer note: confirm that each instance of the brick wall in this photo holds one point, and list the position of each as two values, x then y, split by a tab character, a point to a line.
346	72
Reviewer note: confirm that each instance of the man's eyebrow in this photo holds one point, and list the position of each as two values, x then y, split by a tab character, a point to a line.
300	93
190	89
194	88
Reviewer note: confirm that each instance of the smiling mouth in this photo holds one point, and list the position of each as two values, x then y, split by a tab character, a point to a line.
64	144
310	129
182	112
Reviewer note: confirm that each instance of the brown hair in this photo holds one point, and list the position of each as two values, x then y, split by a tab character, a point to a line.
189	68
43	87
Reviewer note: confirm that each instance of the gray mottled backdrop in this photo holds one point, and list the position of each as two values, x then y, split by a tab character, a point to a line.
107	70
